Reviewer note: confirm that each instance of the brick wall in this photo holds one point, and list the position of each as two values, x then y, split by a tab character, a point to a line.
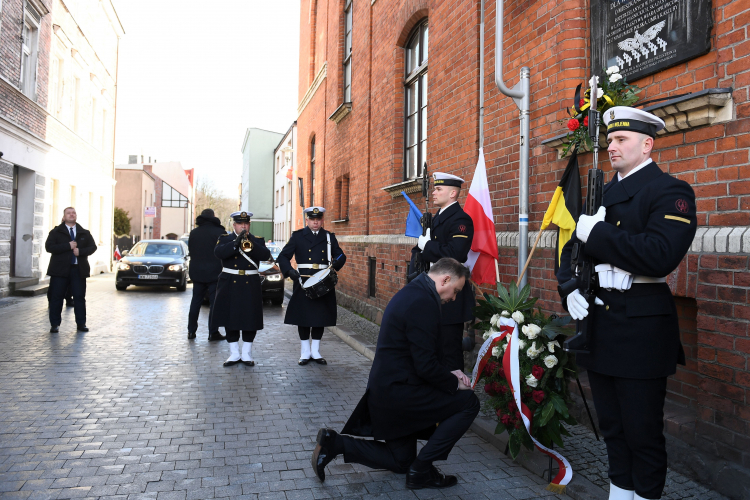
552	39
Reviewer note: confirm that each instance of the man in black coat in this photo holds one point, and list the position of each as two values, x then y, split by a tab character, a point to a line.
205	268
239	297
70	246
643	230
451	235
314	249
410	394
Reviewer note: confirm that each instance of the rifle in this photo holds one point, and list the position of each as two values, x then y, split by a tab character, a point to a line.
585	279
418	264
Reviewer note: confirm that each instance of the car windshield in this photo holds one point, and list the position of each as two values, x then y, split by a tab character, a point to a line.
157	249
275	251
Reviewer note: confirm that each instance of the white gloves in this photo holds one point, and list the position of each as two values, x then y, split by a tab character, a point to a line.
586	223
611	277
423	240
578	306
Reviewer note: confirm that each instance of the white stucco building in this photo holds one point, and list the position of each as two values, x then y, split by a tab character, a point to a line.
285	166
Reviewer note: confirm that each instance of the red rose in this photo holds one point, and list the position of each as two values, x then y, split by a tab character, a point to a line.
490	368
537	396
537	371
503	388
581	103
512	406
573	124
505	419
488	389
586	121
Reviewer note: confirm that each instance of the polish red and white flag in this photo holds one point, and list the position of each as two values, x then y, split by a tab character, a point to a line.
478	205
117	253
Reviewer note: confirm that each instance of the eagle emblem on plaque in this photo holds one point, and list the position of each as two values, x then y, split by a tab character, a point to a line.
640	45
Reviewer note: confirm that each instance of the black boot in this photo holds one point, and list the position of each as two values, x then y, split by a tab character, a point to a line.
430	478
216	336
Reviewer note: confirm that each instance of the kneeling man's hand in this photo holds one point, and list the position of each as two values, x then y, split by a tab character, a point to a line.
463	380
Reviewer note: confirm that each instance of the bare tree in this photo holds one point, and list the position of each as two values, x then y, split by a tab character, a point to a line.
208	196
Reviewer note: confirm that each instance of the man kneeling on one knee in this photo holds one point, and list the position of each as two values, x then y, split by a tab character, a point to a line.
411	394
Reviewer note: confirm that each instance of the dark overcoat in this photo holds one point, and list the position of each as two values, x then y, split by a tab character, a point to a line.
204	265
58	244
409	389
307	248
648	229
239	298
452	233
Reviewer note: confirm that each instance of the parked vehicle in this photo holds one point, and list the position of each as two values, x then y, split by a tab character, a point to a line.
272	282
154	262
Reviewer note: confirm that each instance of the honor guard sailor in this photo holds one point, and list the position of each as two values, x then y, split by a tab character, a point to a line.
315	250
640	234
451	235
239	299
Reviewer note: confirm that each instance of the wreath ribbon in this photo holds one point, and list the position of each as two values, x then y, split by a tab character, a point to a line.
511	368
577	109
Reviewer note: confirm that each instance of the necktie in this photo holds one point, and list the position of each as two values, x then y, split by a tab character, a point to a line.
72	238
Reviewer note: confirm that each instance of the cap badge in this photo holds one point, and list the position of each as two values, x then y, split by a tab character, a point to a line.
243	214
315	210
612	114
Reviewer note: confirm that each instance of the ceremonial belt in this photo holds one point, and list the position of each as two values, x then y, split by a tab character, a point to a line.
312	266
648	279
241	272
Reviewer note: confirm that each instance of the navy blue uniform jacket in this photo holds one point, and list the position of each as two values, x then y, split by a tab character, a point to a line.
648	229
307	248
409	390
239	298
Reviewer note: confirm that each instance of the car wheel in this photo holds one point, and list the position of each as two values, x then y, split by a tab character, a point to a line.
277	302
121	287
182	287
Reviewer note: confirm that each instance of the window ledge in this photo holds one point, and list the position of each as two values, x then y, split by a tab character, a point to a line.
706	107
410	186
341	112
345	219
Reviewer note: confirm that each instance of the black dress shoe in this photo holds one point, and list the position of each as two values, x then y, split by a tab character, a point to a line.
431	478
303	361
248	363
320	361
216	336
82	328
191	335
323	452
231	363
54	329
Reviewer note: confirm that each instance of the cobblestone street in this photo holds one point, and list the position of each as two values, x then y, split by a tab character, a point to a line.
132	409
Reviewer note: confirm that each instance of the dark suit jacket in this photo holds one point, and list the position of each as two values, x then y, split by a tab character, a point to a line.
204	265
648	229
58	244
409	389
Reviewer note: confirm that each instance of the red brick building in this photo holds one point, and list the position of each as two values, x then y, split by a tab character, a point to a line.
369	116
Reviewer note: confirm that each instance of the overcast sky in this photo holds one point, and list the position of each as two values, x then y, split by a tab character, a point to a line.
193	76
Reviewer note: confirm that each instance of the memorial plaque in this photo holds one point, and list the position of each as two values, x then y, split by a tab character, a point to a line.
643	37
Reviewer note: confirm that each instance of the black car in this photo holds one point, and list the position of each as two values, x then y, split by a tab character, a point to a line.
272	282
154	262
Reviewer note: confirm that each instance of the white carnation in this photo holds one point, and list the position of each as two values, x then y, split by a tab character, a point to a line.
494	319
599	92
613	69
521	344
517	317
551	345
550	361
531	381
531	331
532	353
505	314
594	81
615	77
496	351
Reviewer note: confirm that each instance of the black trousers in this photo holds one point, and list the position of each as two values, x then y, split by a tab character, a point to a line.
304	332
631	420
398	454
58	286
247	335
199	291
453	352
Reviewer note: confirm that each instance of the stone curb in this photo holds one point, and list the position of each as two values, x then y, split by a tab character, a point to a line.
579	487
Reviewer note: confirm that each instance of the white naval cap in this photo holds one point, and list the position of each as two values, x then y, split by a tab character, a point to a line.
241	216
636	120
443	179
314	212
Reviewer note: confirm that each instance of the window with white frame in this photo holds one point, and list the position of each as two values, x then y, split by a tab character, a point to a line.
415	91
29	48
348	51
170	197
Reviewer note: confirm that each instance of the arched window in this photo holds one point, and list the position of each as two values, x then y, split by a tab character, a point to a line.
415	91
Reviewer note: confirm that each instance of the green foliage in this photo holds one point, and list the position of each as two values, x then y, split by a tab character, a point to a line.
122	222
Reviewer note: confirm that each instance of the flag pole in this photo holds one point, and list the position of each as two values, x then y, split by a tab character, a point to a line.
531	254
497	272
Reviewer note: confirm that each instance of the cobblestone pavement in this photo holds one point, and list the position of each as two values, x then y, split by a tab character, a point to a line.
132	409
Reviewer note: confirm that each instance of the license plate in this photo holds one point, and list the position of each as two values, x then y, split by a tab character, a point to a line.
148	277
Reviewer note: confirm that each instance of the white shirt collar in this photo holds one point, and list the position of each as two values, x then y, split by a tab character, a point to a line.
636	169
446	207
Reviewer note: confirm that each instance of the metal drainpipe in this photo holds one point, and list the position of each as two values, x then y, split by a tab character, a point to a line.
521	96
481	75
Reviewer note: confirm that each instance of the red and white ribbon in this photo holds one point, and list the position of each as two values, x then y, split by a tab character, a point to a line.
511	367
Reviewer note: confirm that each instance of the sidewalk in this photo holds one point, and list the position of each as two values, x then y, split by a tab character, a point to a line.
587	456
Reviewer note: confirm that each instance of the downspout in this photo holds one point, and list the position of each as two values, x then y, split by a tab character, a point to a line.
520	95
369	126
481	75
114	135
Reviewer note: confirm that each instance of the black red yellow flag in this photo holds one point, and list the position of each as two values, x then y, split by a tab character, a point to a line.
565	206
